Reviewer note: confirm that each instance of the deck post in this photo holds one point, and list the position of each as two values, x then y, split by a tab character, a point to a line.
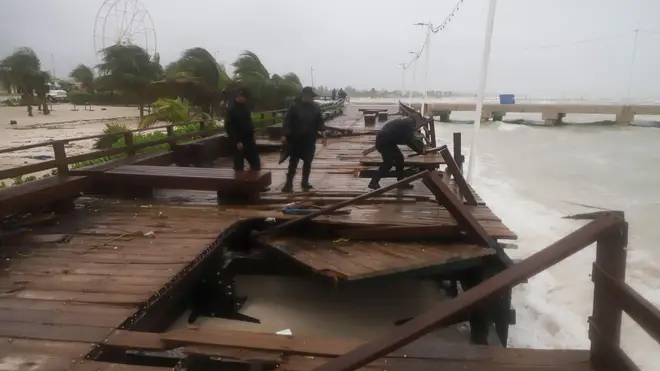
128	140
60	157
458	154
605	322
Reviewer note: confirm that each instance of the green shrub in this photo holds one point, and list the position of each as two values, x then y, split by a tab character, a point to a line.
112	132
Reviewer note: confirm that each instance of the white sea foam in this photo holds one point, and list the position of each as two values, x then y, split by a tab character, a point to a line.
552	309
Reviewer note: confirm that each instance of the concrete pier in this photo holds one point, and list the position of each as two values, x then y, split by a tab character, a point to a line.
552	113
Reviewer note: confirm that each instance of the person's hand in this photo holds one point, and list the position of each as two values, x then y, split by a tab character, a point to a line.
239	145
283	140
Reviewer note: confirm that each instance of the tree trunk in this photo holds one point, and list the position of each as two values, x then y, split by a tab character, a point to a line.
45	110
141	108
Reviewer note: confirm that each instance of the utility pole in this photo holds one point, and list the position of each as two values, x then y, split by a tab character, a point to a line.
413	77
403	79
482	88
52	60
311	69
632	66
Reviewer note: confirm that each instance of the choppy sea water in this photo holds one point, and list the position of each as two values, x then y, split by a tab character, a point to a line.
532	176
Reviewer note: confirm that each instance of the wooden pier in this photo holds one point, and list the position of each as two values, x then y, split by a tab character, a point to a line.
94	284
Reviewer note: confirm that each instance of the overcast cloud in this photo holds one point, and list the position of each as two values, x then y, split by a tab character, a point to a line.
540	47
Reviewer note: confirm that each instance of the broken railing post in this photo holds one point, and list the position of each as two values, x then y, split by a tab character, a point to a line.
429	151
605	323
453	169
340	205
447	311
458	155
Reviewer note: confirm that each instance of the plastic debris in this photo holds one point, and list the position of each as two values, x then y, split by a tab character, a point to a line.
284	332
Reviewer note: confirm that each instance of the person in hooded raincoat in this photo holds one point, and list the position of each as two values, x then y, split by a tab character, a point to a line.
302	122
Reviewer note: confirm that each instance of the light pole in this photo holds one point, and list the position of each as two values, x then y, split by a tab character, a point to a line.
482	87
413	76
632	66
403	79
427	47
311	70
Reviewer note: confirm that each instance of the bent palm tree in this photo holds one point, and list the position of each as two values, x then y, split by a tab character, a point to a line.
129	69
195	77
23	70
83	75
266	91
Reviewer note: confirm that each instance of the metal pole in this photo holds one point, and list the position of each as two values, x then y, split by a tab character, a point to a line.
311	69
632	66
413	80
52	59
403	79
482	88
426	68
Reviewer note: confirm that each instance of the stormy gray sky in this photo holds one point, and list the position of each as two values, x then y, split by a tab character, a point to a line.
544	48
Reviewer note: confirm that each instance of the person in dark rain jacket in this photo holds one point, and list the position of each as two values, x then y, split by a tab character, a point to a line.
240	130
396	132
302	122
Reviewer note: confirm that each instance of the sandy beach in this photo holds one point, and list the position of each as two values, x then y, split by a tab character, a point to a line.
63	122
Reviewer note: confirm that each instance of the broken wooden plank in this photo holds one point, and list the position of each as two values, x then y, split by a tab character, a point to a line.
453	168
463	217
340	205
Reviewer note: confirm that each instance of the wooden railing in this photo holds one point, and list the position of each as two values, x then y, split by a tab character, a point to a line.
612	296
61	161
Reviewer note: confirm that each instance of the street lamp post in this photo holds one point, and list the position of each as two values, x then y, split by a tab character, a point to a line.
403	79
413	77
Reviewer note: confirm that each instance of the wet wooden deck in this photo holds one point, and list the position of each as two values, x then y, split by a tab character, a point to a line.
66	287
301	353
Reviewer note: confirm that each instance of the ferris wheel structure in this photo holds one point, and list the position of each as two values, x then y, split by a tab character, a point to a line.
124	22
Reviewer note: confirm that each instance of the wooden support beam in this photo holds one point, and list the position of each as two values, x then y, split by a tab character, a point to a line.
429	151
464	218
453	169
340	205
448	311
607	313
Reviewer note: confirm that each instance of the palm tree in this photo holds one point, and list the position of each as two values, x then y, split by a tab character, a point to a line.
129	69
23	70
83	75
171	111
267	92
195	77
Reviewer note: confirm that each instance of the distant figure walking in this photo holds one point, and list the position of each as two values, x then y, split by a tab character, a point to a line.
392	134
302	122
240	130
334	94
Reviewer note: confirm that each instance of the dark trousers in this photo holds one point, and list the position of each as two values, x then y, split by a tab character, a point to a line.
392	156
302	149
249	153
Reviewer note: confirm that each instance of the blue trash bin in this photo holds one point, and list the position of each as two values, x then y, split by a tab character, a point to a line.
507	99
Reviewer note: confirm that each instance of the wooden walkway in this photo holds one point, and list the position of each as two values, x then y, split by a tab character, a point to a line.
299	353
67	287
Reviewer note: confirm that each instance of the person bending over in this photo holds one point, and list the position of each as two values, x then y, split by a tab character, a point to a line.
301	123
392	134
240	130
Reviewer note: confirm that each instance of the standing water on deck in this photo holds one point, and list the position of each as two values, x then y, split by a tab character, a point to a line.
533	176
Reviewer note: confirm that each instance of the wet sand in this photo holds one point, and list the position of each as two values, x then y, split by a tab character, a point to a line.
62	123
